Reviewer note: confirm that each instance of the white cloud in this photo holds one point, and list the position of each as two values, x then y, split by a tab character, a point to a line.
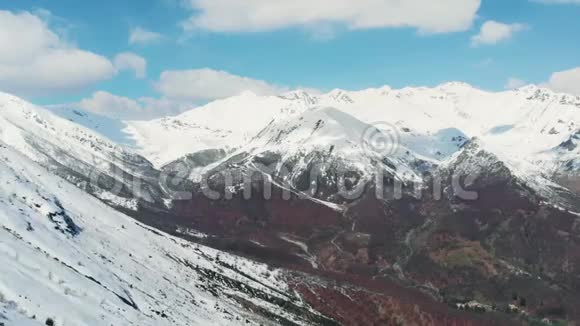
119	107
105	103
493	32
139	35
180	91
36	60
427	16
131	61
515	83
567	81
208	84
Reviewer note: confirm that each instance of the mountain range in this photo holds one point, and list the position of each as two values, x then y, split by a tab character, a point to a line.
445	205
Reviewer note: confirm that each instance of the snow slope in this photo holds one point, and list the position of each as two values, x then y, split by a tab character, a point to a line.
111	128
67	257
22	124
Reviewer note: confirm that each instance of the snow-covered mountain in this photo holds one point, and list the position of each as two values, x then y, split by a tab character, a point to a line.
82	156
66	257
522	145
408	132
404	133
220	124
526	125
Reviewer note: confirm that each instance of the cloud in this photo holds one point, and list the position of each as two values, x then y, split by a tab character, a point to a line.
35	60
493	32
131	61
181	90
119	107
514	83
209	84
107	104
139	35
427	16
567	81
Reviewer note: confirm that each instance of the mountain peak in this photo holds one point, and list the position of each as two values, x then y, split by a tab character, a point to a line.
300	95
340	96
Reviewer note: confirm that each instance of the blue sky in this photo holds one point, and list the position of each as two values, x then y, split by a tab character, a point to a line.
533	41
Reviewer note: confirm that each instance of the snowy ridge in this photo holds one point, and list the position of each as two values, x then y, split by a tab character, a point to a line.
526	125
74	152
224	124
69	258
20	121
